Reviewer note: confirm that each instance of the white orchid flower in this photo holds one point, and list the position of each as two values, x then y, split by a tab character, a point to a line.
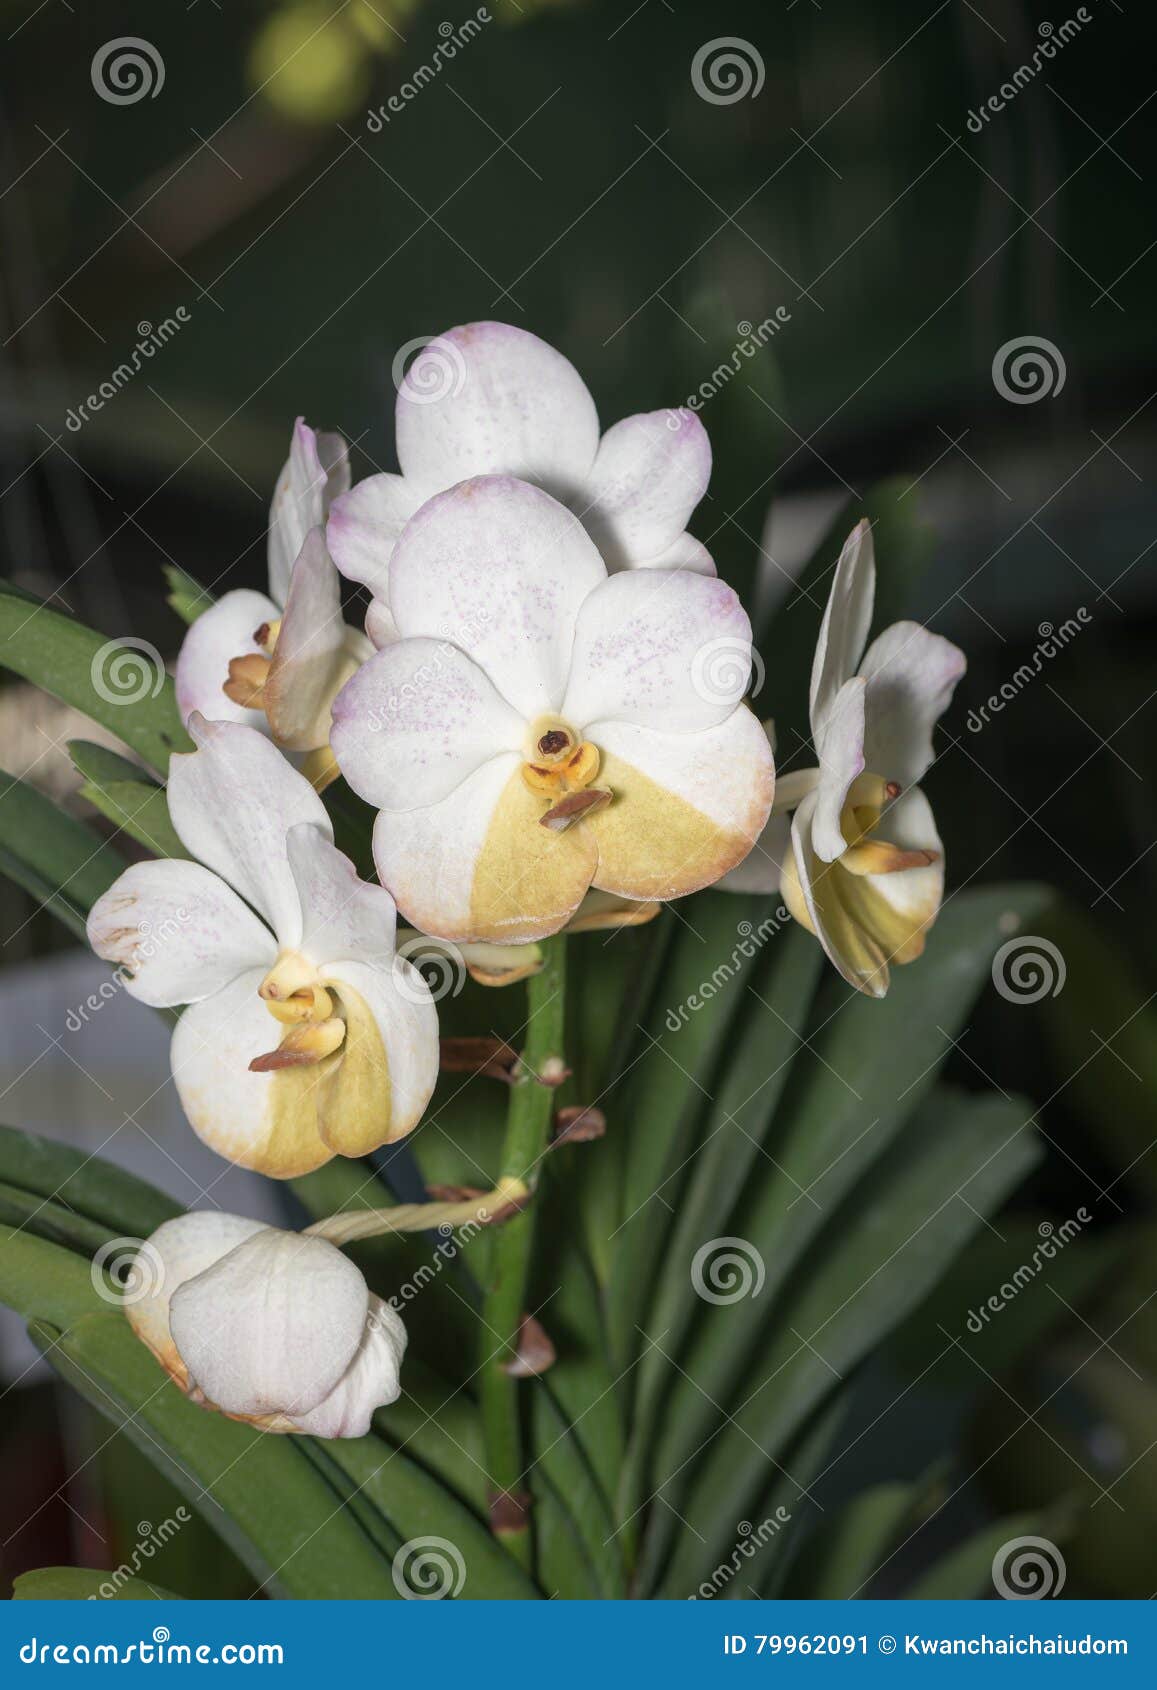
275	1328
861	864
274	661
306	1036
540	727
490	399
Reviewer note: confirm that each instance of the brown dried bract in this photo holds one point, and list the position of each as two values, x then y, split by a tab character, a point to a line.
509	1512
492	1057
534	1352
579	1123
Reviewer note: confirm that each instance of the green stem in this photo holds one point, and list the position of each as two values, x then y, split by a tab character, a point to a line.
527	1132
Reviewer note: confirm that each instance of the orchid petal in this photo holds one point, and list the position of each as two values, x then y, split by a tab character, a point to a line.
271	1327
315	473
264	1121
381	629
660	649
342	916
649	474
416	721
489	398
911	675
478	866
847	618
762	868
372	1379
225	631
499	569
387	1075
364	526
178	1250
868	922
684	552
312	658
686	807
178	930
840	749
232	803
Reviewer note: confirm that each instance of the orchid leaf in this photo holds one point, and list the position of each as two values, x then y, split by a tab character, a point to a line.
184	595
52	856
259	1493
960	1159
135	805
119	683
119	1202
83	1584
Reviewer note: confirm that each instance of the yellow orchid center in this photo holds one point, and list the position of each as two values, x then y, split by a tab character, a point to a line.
296	999
858	821
561	767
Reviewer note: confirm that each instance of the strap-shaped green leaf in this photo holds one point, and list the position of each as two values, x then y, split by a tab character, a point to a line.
80	1584
120	684
878	1254
120	791
259	1493
846	1549
184	595
123	1204
418	1507
53	857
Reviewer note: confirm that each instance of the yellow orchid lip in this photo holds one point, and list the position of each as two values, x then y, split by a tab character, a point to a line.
295	998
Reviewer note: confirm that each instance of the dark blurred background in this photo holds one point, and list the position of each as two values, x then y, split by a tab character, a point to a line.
570	171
